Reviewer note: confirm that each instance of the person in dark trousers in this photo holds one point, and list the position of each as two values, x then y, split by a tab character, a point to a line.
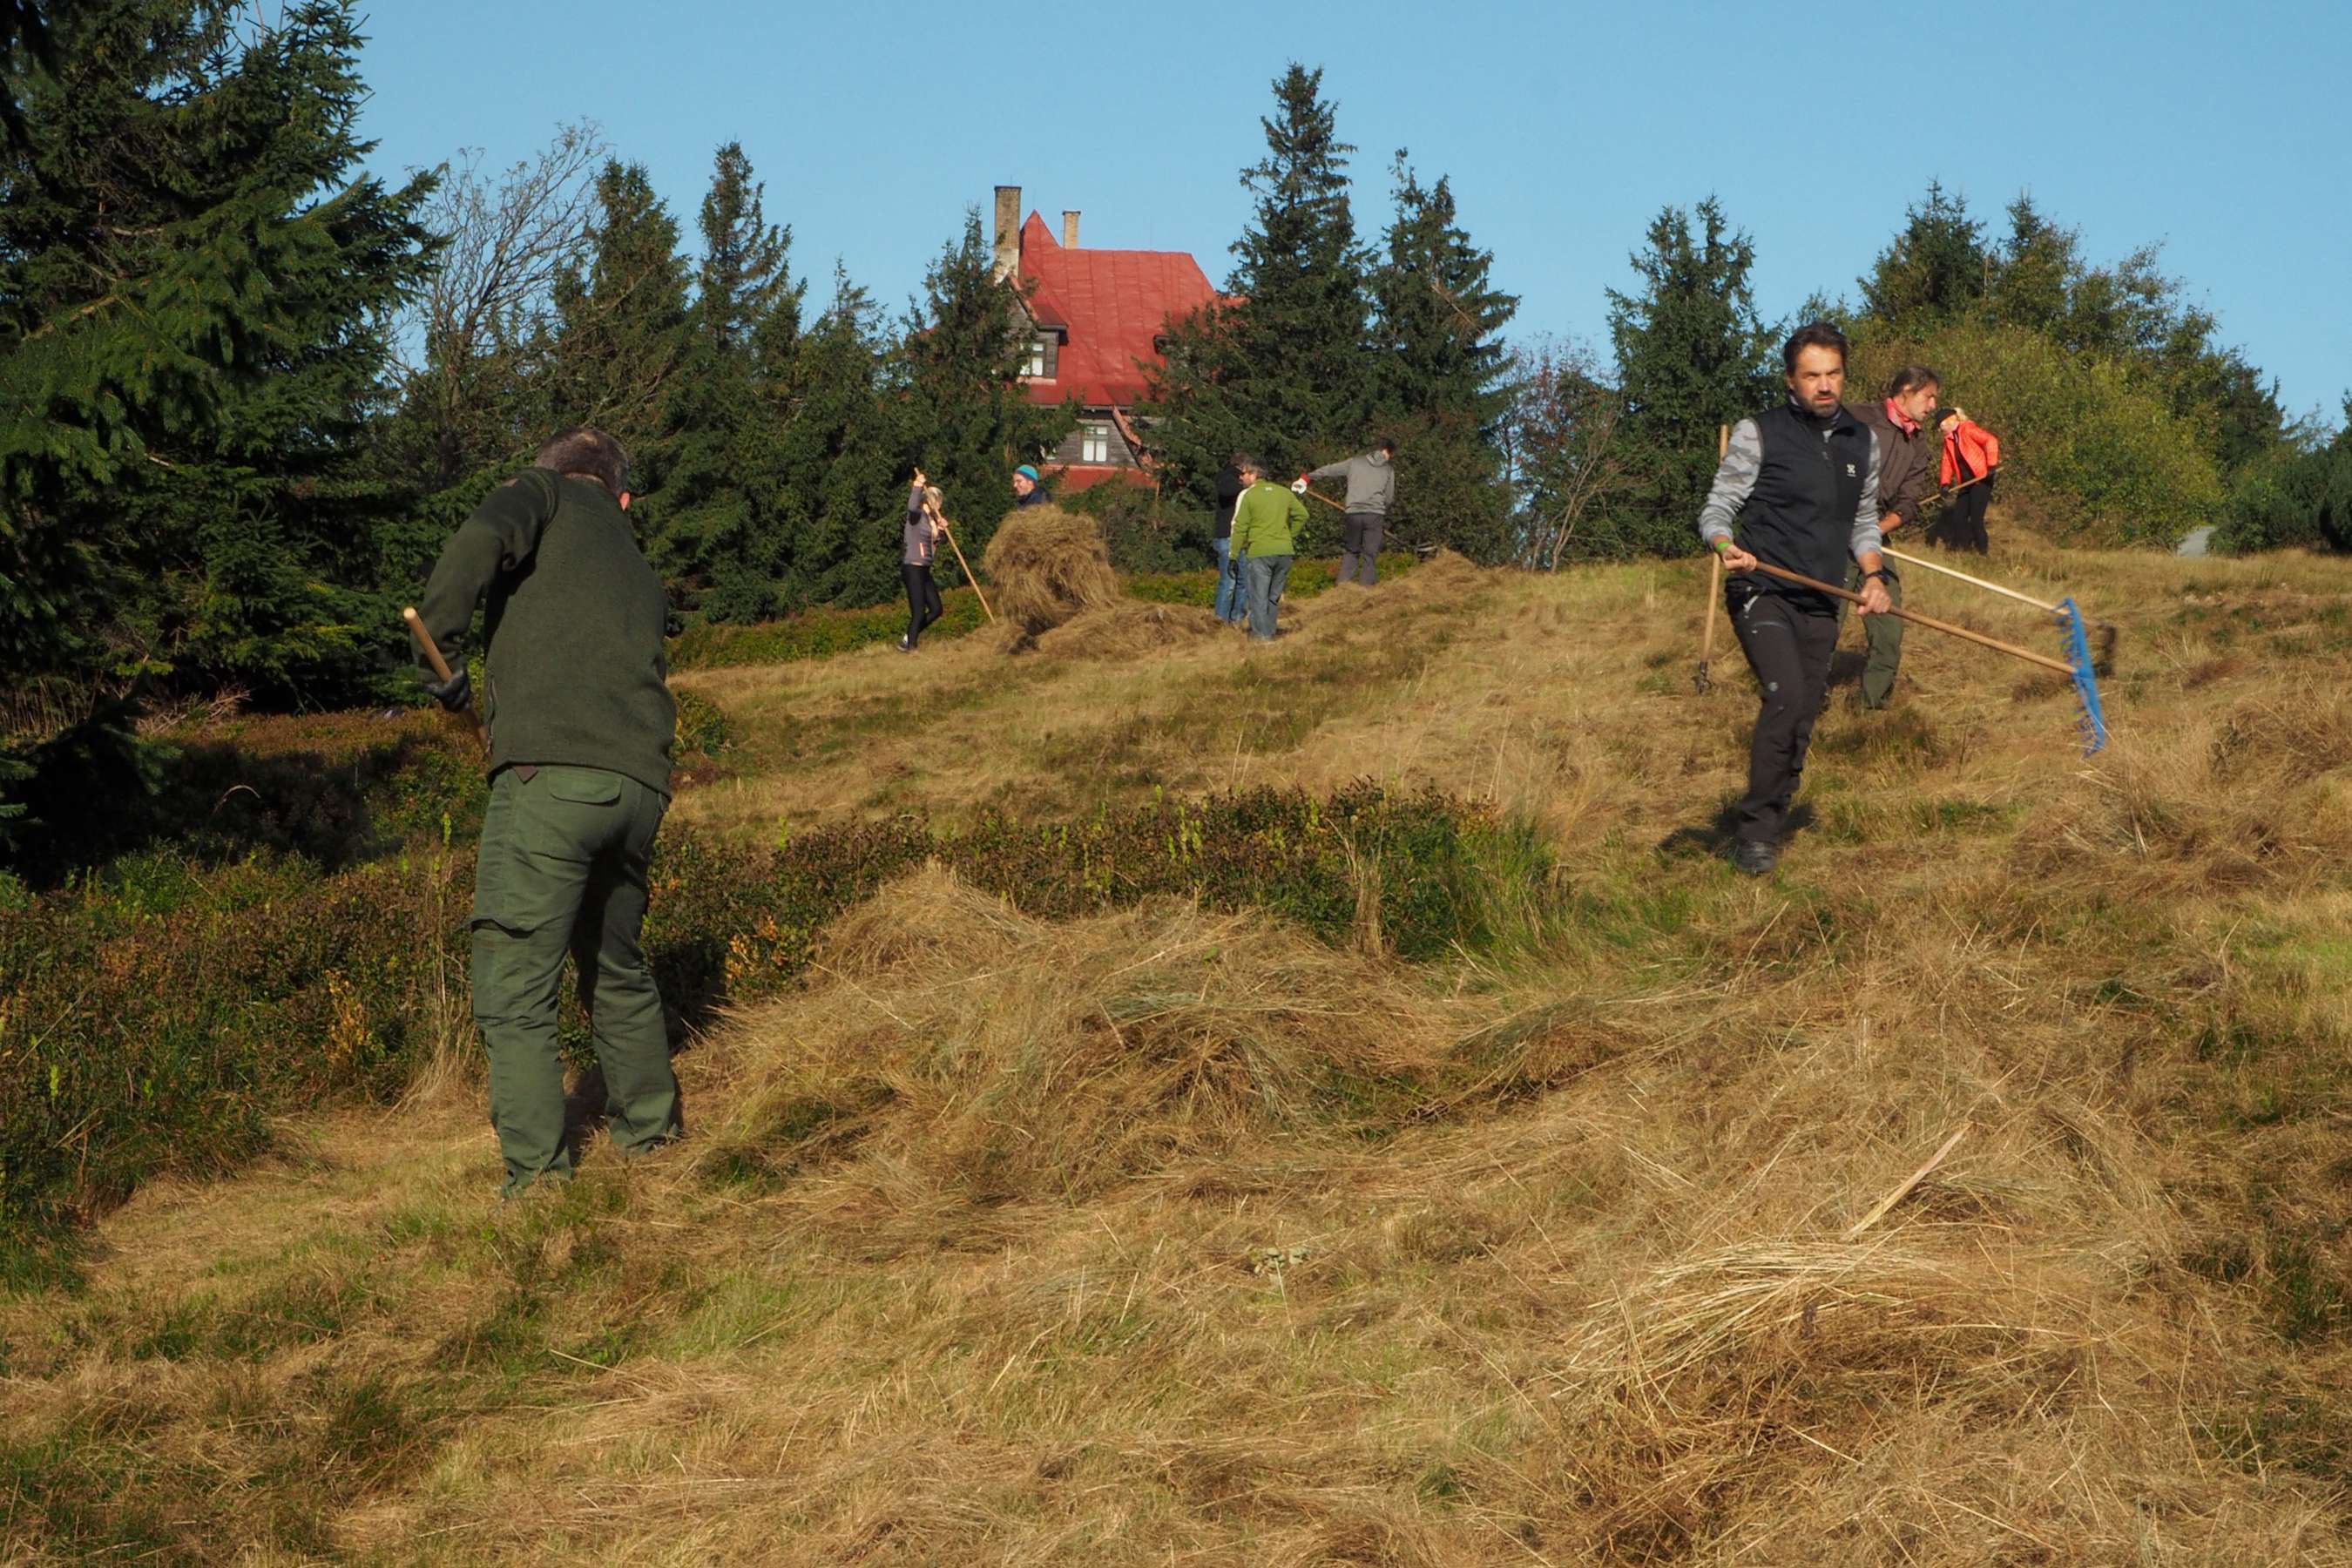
1798	488
577	706
1266	521
1233	596
1907	454
1971	463
1028	490
1371	492
919	539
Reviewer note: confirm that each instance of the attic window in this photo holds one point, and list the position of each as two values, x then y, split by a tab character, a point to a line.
1035	365
1094	442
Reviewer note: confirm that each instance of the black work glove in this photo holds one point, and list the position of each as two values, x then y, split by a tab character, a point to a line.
456	693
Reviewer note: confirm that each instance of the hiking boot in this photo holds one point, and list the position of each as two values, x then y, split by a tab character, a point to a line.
1753	857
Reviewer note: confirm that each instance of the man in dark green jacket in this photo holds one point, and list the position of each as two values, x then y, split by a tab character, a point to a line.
578	709
1908	451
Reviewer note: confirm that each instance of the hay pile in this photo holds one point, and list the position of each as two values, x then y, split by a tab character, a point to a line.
1046	567
1128	629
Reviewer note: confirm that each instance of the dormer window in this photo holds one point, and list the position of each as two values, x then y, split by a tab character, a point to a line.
1035	365
1094	442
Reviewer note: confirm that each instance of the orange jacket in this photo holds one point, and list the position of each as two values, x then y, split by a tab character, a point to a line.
1970	443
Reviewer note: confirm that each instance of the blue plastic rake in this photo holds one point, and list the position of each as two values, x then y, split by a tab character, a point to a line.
2076	666
2074	638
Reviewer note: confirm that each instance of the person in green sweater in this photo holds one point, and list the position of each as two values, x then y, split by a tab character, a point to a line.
1266	520
577	706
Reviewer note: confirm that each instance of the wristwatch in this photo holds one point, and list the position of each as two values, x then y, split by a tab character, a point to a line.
1882	574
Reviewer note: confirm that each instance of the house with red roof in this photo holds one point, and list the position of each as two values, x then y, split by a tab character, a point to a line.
1095	318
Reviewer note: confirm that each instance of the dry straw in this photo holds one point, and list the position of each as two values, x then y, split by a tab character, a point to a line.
1049	567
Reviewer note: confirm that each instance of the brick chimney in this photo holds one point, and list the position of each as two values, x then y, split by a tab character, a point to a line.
1008	231
1069	229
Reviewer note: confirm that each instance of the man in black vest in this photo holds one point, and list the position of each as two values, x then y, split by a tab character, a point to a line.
1802	484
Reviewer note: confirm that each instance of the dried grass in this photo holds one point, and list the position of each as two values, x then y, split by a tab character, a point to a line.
1047	567
1128	630
1166	1236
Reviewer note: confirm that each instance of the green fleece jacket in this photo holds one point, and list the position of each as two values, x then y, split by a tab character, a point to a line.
1266	520
573	637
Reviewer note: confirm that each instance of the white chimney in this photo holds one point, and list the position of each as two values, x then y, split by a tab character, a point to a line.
1069	229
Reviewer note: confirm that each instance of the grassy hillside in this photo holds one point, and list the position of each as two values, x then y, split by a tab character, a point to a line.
1155	1221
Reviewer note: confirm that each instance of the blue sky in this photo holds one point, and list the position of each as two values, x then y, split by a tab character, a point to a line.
1564	127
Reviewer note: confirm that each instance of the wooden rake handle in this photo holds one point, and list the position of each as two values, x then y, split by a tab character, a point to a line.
439	666
967	570
1973	582
2010	648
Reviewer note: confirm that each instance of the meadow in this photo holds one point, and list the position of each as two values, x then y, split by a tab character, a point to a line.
1326	1101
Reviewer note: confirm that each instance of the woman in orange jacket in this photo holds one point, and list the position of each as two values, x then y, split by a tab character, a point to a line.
1972	461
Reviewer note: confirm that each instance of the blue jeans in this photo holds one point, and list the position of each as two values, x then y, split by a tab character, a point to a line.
1231	593
1267	575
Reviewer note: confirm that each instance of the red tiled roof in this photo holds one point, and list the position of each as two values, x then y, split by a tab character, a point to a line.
1115	304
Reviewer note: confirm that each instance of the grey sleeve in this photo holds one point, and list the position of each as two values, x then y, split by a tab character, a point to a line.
1331	470
1734	480
1867	536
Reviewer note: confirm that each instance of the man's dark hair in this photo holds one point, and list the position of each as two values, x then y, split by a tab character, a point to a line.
1912	377
1237	459
1248	463
1388	444
1813	335
582	453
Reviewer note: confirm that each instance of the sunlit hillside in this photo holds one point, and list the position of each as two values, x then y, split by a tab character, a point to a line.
1173	1229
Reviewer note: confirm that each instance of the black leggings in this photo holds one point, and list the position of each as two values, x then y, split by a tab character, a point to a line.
923	606
1962	526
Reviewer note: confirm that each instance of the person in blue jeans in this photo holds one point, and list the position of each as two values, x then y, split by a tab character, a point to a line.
1232	593
1266	521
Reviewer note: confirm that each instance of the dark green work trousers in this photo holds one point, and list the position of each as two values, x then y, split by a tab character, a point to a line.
1885	633
563	869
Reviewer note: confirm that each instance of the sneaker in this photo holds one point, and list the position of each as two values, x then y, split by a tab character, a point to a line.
906	646
1755	858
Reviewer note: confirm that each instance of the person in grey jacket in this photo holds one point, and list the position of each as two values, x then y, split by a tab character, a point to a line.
1371	491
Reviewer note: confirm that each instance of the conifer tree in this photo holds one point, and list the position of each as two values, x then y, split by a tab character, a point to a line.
1442	373
1296	363
1935	269
841	479
744	328
1691	355
967	421
1282	370
193	273
621	333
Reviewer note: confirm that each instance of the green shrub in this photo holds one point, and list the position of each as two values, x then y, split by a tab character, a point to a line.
2097	452
2293	498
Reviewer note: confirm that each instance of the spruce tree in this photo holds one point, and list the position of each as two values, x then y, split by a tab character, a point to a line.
718	539
1692	354
840	461
621	332
1283	371
1442	371
968	423
192	277
1297	364
1935	269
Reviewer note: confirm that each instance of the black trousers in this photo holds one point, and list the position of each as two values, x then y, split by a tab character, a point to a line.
923	604
1962	526
1789	647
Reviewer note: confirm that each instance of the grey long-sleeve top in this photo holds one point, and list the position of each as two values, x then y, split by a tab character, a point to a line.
1736	478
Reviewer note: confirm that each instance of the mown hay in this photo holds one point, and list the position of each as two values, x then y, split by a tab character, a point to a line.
968	1051
1047	567
1126	629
